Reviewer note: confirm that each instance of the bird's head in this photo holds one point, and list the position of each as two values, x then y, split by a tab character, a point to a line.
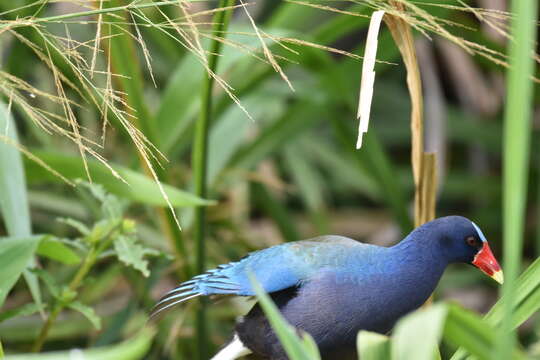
463	241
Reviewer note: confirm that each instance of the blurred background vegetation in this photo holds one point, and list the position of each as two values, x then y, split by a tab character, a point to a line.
111	92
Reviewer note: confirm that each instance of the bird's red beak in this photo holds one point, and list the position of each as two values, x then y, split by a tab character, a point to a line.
486	262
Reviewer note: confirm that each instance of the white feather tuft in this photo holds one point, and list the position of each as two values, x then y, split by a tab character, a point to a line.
233	350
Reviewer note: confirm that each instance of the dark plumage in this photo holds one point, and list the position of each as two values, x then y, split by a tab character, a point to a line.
332	286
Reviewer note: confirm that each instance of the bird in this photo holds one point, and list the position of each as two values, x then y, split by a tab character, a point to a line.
332	286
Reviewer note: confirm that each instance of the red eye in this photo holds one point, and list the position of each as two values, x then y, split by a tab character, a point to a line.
471	241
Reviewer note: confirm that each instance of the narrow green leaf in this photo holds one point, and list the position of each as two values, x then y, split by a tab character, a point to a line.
75	224
139	188
88	313
131	349
24	310
428	322
13	194
516	144
296	348
373	346
15	255
49	281
53	248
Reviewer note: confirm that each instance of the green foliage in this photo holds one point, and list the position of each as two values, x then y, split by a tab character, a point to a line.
15	255
131	349
290	173
127	184
132	254
373	346
14	205
407	344
58	250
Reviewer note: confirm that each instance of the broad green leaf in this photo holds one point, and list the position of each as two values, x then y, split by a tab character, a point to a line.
53	248
407	344
13	195
24	310
132	254
373	346
296	348
139	188
15	255
88	313
131	349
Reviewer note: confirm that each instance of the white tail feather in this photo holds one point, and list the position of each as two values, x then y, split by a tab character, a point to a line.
233	350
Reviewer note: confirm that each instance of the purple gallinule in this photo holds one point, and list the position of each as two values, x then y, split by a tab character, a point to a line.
333	286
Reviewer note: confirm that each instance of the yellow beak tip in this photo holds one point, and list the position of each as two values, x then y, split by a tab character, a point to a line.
498	277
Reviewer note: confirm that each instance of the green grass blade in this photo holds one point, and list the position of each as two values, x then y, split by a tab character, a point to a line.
517	131
139	188
13	194
295	347
373	346
525	302
131	349
407	344
467	329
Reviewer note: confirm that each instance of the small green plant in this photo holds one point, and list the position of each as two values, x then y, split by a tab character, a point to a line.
111	235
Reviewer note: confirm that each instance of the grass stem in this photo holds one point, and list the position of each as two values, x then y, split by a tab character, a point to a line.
199	160
517	134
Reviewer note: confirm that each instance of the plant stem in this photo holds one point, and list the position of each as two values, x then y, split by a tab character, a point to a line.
199	160
90	259
1	351
59	305
517	133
